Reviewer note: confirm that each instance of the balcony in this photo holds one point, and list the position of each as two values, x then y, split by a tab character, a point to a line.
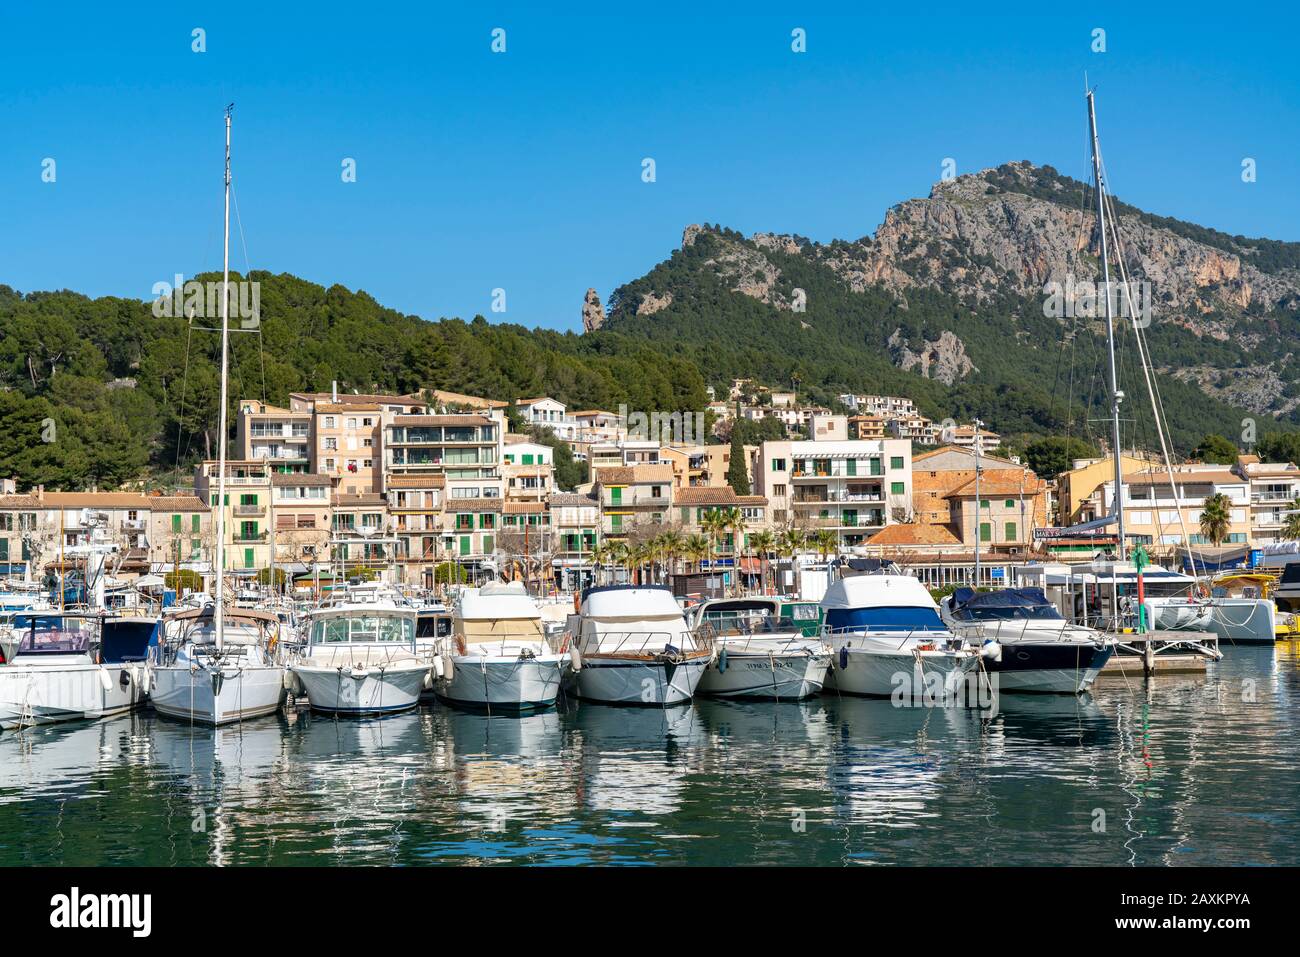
244	509
1273	497
248	538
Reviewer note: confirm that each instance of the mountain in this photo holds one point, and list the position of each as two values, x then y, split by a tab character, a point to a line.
945	304
951	302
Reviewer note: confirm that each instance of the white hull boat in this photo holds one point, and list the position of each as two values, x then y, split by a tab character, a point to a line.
362	659
497	657
612	679
194	679
365	687
54	675
889	641
757	654
631	646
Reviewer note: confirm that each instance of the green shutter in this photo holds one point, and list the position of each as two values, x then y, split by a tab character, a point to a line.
897	488
852	467
194	523
986	531
464	544
487	544
616	496
1011	531
176	523
248	558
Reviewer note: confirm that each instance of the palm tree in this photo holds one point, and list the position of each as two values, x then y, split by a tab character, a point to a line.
1216	518
826	542
600	555
734	523
713	524
790	543
1291	530
762	542
671	544
696	549
618	553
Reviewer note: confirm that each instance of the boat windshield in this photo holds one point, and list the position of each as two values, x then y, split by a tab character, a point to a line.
53	635
1011	613
884	618
362	629
747	621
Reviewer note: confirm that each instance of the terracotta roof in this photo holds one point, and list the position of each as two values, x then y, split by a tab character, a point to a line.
473	505
589	413
95	500
571	500
19	501
540	398
1000	482
417	481
634	474
705	495
751	499
468	418
282	479
524	508
914	534
353	398
365	498
178	503
330	408
1182	476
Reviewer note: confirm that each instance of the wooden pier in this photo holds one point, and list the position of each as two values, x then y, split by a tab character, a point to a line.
1161	653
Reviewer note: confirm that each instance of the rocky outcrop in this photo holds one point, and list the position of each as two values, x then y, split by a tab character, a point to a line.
943	359
651	303
593	313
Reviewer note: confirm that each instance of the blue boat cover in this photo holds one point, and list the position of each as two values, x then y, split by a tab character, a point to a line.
884	618
1003	598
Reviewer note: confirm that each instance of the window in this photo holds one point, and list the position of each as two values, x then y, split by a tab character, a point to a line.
1010	503
656	491
778	491
778	465
986	531
329	422
984	503
1010	531
176	523
194	523
616	496
895	461
897	488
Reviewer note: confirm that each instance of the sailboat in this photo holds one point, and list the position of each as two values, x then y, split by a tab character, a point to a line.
199	676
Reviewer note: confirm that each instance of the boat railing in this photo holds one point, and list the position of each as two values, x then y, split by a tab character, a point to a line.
641	643
744	635
857	631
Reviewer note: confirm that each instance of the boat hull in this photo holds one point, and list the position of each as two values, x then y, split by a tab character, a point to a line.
765	677
368	691
1048	668
503	684
611	679
875	674
247	692
37	694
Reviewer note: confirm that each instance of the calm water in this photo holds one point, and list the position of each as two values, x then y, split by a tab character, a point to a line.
1186	771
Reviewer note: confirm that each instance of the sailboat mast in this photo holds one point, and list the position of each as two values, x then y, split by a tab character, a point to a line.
1116	396
219	616
978	514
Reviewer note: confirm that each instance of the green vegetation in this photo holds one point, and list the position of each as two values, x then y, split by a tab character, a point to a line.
101	392
1055	454
737	473
1217	450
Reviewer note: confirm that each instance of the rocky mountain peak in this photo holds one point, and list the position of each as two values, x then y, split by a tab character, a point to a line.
593	313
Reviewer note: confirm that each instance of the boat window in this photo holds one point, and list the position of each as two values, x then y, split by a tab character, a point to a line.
1009	612
363	628
884	618
54	635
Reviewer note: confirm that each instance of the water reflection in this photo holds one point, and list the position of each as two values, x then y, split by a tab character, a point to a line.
1185	770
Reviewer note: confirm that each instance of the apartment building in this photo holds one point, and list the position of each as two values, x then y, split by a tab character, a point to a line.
458	446
575	523
692	505
548	413
180	533
1274	486
349	445
867	427
914	428
362	533
527	469
281	436
247	505
1161	512
1079	490
853	487
625	451
968	437
415	507
882	406
633	496
704	465
301	511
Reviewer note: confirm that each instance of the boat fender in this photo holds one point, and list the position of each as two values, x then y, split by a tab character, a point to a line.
437	665
448	667
145	675
288	680
104	680
124	679
722	660
991	650
428	679
575	658
844	659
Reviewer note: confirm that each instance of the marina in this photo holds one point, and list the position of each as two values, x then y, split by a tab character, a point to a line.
825	781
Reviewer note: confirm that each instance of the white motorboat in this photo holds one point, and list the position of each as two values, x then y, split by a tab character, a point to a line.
215	669
888	639
60	671
756	652
633	646
497	656
361	658
1026	642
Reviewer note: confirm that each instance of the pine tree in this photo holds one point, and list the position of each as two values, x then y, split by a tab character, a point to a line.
737	474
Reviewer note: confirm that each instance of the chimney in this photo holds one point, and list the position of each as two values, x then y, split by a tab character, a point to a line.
334	391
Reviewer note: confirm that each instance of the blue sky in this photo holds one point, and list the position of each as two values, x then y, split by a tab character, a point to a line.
522	170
